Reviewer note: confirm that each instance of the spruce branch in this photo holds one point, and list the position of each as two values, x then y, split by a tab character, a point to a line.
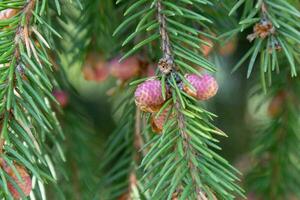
79	155
187	148
30	131
179	162
275	35
168	58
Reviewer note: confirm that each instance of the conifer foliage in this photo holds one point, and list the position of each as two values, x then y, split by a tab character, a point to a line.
160	59
181	162
30	132
275	171
275	29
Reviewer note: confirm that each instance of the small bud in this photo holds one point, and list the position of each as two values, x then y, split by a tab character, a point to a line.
124	70
25	185
157	122
262	30
175	196
62	97
148	96
205	87
165	65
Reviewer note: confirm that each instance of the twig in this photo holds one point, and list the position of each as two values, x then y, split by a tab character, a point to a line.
264	8
22	33
165	41
138	140
187	148
166	66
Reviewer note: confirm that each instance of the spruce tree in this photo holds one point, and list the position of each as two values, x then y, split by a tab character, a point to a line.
116	99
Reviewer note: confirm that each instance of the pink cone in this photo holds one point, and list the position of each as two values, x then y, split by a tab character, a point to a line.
205	87
148	96
150	70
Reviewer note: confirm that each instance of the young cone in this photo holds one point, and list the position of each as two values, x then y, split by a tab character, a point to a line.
148	96
205	87
157	122
206	49
228	48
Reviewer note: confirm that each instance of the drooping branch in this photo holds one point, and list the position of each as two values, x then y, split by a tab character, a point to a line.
21	35
187	149
179	161
23	32
27	117
167	65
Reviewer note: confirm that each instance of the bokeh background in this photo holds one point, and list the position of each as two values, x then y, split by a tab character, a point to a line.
90	99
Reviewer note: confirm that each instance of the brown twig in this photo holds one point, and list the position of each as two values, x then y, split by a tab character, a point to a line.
138	140
23	32
165	41
1	145
167	65
187	148
264	8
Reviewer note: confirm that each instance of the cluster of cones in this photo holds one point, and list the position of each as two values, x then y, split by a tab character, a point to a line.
97	69
149	97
